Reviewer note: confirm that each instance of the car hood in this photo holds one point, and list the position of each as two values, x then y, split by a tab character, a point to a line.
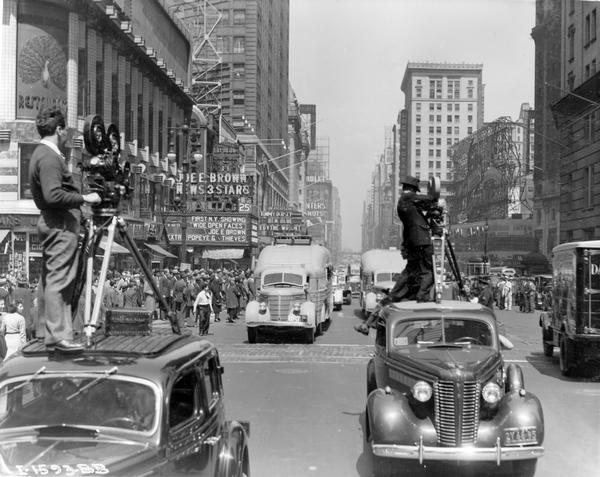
103	455
470	362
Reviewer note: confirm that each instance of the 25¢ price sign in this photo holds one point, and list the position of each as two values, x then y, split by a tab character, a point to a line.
62	469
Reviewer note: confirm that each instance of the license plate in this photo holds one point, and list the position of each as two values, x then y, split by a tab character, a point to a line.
520	435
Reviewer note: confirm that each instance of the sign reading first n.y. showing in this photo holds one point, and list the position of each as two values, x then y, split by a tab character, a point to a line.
213	229
41	58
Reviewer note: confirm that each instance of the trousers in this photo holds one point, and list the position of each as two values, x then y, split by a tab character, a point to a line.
59	235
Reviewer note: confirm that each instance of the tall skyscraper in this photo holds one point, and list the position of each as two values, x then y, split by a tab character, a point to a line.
252	38
444	103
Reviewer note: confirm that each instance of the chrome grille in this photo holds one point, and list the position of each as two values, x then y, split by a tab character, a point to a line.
456	412
279	306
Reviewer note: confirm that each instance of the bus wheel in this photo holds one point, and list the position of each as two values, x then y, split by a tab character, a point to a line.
310	335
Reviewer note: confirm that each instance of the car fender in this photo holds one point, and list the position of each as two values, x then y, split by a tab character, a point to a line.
517	409
392	421
514	378
308	308
233	455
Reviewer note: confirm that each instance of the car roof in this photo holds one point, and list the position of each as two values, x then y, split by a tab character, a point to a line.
151	357
405	309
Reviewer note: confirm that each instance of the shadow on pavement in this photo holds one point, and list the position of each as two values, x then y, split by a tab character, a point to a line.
549	366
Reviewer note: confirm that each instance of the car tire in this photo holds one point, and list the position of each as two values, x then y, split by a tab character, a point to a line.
371	381
251	335
309	334
567	367
524	468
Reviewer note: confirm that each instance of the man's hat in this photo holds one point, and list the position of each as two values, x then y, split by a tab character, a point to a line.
411	181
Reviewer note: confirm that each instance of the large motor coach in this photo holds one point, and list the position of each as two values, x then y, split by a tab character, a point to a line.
294	291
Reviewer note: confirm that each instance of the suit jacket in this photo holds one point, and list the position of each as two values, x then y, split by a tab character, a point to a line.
415	231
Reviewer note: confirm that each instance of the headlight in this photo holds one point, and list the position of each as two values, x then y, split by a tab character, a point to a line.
296	308
379	296
262	307
422	391
491	393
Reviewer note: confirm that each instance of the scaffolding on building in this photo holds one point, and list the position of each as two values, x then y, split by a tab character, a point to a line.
490	177
201	18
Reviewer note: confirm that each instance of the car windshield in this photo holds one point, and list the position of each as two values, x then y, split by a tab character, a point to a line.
79	401
282	279
446	331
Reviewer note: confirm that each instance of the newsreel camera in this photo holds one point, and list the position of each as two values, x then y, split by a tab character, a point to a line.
106	171
433	207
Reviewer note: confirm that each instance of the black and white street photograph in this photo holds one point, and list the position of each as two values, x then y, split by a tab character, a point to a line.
300	238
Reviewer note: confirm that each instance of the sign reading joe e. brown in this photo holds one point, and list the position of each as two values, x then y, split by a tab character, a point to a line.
42	33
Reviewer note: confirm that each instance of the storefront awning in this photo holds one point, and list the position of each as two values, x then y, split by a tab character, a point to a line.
161	251
115	247
223	253
3	234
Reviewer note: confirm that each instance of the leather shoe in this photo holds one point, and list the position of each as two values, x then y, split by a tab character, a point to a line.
65	346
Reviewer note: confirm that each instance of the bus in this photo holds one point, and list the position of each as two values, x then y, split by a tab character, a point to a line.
294	291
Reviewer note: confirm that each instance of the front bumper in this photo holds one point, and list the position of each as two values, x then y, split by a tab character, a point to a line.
280	326
422	452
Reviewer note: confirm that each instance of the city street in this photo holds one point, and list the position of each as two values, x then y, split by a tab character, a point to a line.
305	402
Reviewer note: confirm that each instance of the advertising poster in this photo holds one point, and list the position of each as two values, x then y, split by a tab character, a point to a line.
213	229
41	58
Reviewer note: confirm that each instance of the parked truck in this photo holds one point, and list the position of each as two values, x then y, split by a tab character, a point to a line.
573	322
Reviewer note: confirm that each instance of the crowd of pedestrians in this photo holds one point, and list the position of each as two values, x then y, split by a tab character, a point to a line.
197	297
507	293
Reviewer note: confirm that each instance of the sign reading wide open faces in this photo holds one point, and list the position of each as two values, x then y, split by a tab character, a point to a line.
207	229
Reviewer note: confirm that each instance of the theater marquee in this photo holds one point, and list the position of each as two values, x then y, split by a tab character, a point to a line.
212	229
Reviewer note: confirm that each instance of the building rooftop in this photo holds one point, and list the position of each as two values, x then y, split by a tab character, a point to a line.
437	66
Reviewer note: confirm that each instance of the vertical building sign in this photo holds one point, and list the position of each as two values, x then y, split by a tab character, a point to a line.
42	33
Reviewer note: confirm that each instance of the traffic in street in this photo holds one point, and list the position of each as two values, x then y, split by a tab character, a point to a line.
306	402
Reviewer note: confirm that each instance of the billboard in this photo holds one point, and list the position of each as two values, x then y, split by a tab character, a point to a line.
276	221
42	39
214	229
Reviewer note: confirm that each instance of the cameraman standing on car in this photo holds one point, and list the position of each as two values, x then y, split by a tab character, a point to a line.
416	280
58	198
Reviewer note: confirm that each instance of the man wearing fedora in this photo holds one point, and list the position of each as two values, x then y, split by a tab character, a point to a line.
58	198
416	245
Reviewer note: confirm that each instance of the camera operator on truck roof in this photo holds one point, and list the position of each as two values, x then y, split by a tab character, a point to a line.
58	198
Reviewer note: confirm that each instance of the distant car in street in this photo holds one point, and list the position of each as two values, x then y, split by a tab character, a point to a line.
128	406
438	390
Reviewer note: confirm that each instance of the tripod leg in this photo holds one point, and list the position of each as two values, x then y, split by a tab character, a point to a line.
122	226
91	326
89	277
454	265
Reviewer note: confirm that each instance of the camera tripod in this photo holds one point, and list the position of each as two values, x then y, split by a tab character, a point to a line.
442	248
113	223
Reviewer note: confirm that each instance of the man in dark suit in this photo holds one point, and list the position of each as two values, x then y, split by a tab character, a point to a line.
416	244
58	198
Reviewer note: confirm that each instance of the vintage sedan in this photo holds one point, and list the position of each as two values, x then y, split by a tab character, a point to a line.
438	390
127	406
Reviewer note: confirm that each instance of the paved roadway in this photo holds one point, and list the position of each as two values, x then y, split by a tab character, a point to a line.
305	402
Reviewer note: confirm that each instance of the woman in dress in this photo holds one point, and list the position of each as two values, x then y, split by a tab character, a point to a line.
15	329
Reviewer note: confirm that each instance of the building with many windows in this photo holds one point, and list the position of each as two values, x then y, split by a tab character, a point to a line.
443	103
91	57
577	117
546	173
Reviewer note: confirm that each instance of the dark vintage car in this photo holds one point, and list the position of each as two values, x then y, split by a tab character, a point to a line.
438	390
128	406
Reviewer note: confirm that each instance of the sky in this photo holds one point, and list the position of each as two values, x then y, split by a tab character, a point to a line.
348	57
